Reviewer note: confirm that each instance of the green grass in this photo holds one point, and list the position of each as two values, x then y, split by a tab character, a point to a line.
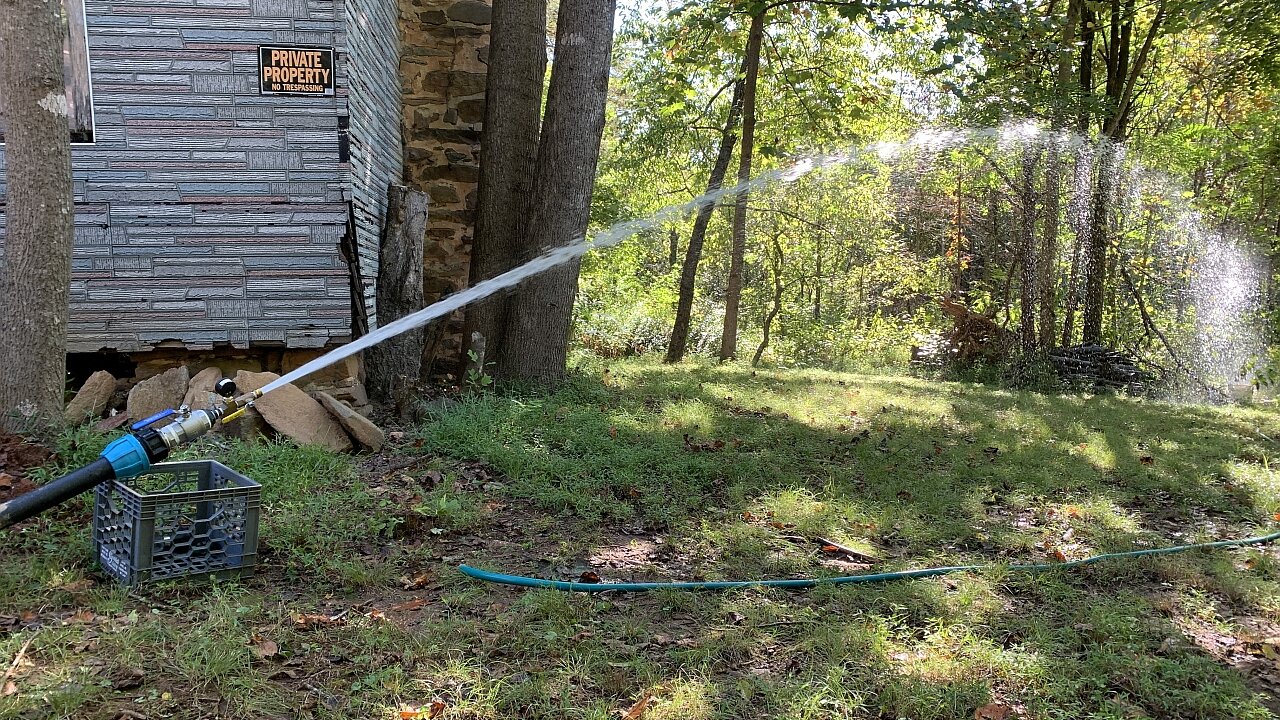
699	472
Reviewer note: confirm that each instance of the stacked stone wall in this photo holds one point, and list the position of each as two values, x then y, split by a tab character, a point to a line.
443	68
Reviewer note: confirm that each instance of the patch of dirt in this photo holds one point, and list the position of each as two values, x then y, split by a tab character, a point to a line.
17	456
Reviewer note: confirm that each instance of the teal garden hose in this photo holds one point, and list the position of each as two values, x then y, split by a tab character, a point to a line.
521	581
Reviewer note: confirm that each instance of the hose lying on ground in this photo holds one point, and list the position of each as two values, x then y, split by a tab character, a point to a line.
521	581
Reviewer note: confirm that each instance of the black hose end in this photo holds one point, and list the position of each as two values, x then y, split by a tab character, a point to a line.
56	492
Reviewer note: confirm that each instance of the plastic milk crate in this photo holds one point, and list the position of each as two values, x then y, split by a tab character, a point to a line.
182	519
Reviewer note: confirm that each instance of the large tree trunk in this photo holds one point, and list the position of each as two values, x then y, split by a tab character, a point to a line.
537	338
513	112
394	365
35	274
693	253
733	289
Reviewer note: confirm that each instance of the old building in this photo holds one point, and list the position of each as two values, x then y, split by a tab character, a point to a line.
231	161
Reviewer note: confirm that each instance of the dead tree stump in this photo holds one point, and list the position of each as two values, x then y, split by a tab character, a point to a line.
392	367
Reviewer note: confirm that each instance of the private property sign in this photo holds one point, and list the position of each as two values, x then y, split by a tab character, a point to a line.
295	70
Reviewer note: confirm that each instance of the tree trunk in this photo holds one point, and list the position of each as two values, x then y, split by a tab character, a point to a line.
1088	31
35	273
1095	256
537	339
1027	248
673	247
693	254
394	365
1047	274
1122	79
777	302
513	111
733	289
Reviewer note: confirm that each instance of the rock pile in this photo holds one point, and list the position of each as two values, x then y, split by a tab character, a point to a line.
333	415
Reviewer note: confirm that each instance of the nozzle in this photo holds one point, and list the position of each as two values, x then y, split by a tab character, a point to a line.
226	387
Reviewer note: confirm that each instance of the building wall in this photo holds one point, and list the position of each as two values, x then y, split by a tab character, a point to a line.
443	68
208	215
377	158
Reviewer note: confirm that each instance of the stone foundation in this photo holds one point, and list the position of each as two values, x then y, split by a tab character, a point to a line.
443	67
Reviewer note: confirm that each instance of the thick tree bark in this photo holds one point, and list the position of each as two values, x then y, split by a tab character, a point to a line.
693	253
509	144
733	289
394	365
537	339
35	273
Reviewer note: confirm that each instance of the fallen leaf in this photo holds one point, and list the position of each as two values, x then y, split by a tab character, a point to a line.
1071	511
307	621
589	576
78	586
416	582
10	689
413	604
435	709
1058	555
830	549
263	648
994	711
637	711
6	481
613	431
82	616
129	679
1147	460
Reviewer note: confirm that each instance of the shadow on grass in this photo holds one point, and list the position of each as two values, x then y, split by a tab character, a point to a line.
926	474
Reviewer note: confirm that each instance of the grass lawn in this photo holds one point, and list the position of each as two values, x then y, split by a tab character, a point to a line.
646	472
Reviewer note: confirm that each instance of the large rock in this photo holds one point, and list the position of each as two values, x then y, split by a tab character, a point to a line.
294	414
367	435
157	393
200	387
93	398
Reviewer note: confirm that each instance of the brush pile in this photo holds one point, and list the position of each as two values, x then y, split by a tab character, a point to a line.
1100	367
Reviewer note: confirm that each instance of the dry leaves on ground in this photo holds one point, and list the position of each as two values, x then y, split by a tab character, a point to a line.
637	711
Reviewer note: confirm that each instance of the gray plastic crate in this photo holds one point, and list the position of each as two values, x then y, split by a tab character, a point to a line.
182	519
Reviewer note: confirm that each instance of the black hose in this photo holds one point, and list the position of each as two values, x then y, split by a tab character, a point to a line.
56	492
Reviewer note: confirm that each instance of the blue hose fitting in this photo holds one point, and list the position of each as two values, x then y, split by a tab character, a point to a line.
128	457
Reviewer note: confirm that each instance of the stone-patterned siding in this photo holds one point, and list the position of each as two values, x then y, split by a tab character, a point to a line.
207	214
376	146
443	67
